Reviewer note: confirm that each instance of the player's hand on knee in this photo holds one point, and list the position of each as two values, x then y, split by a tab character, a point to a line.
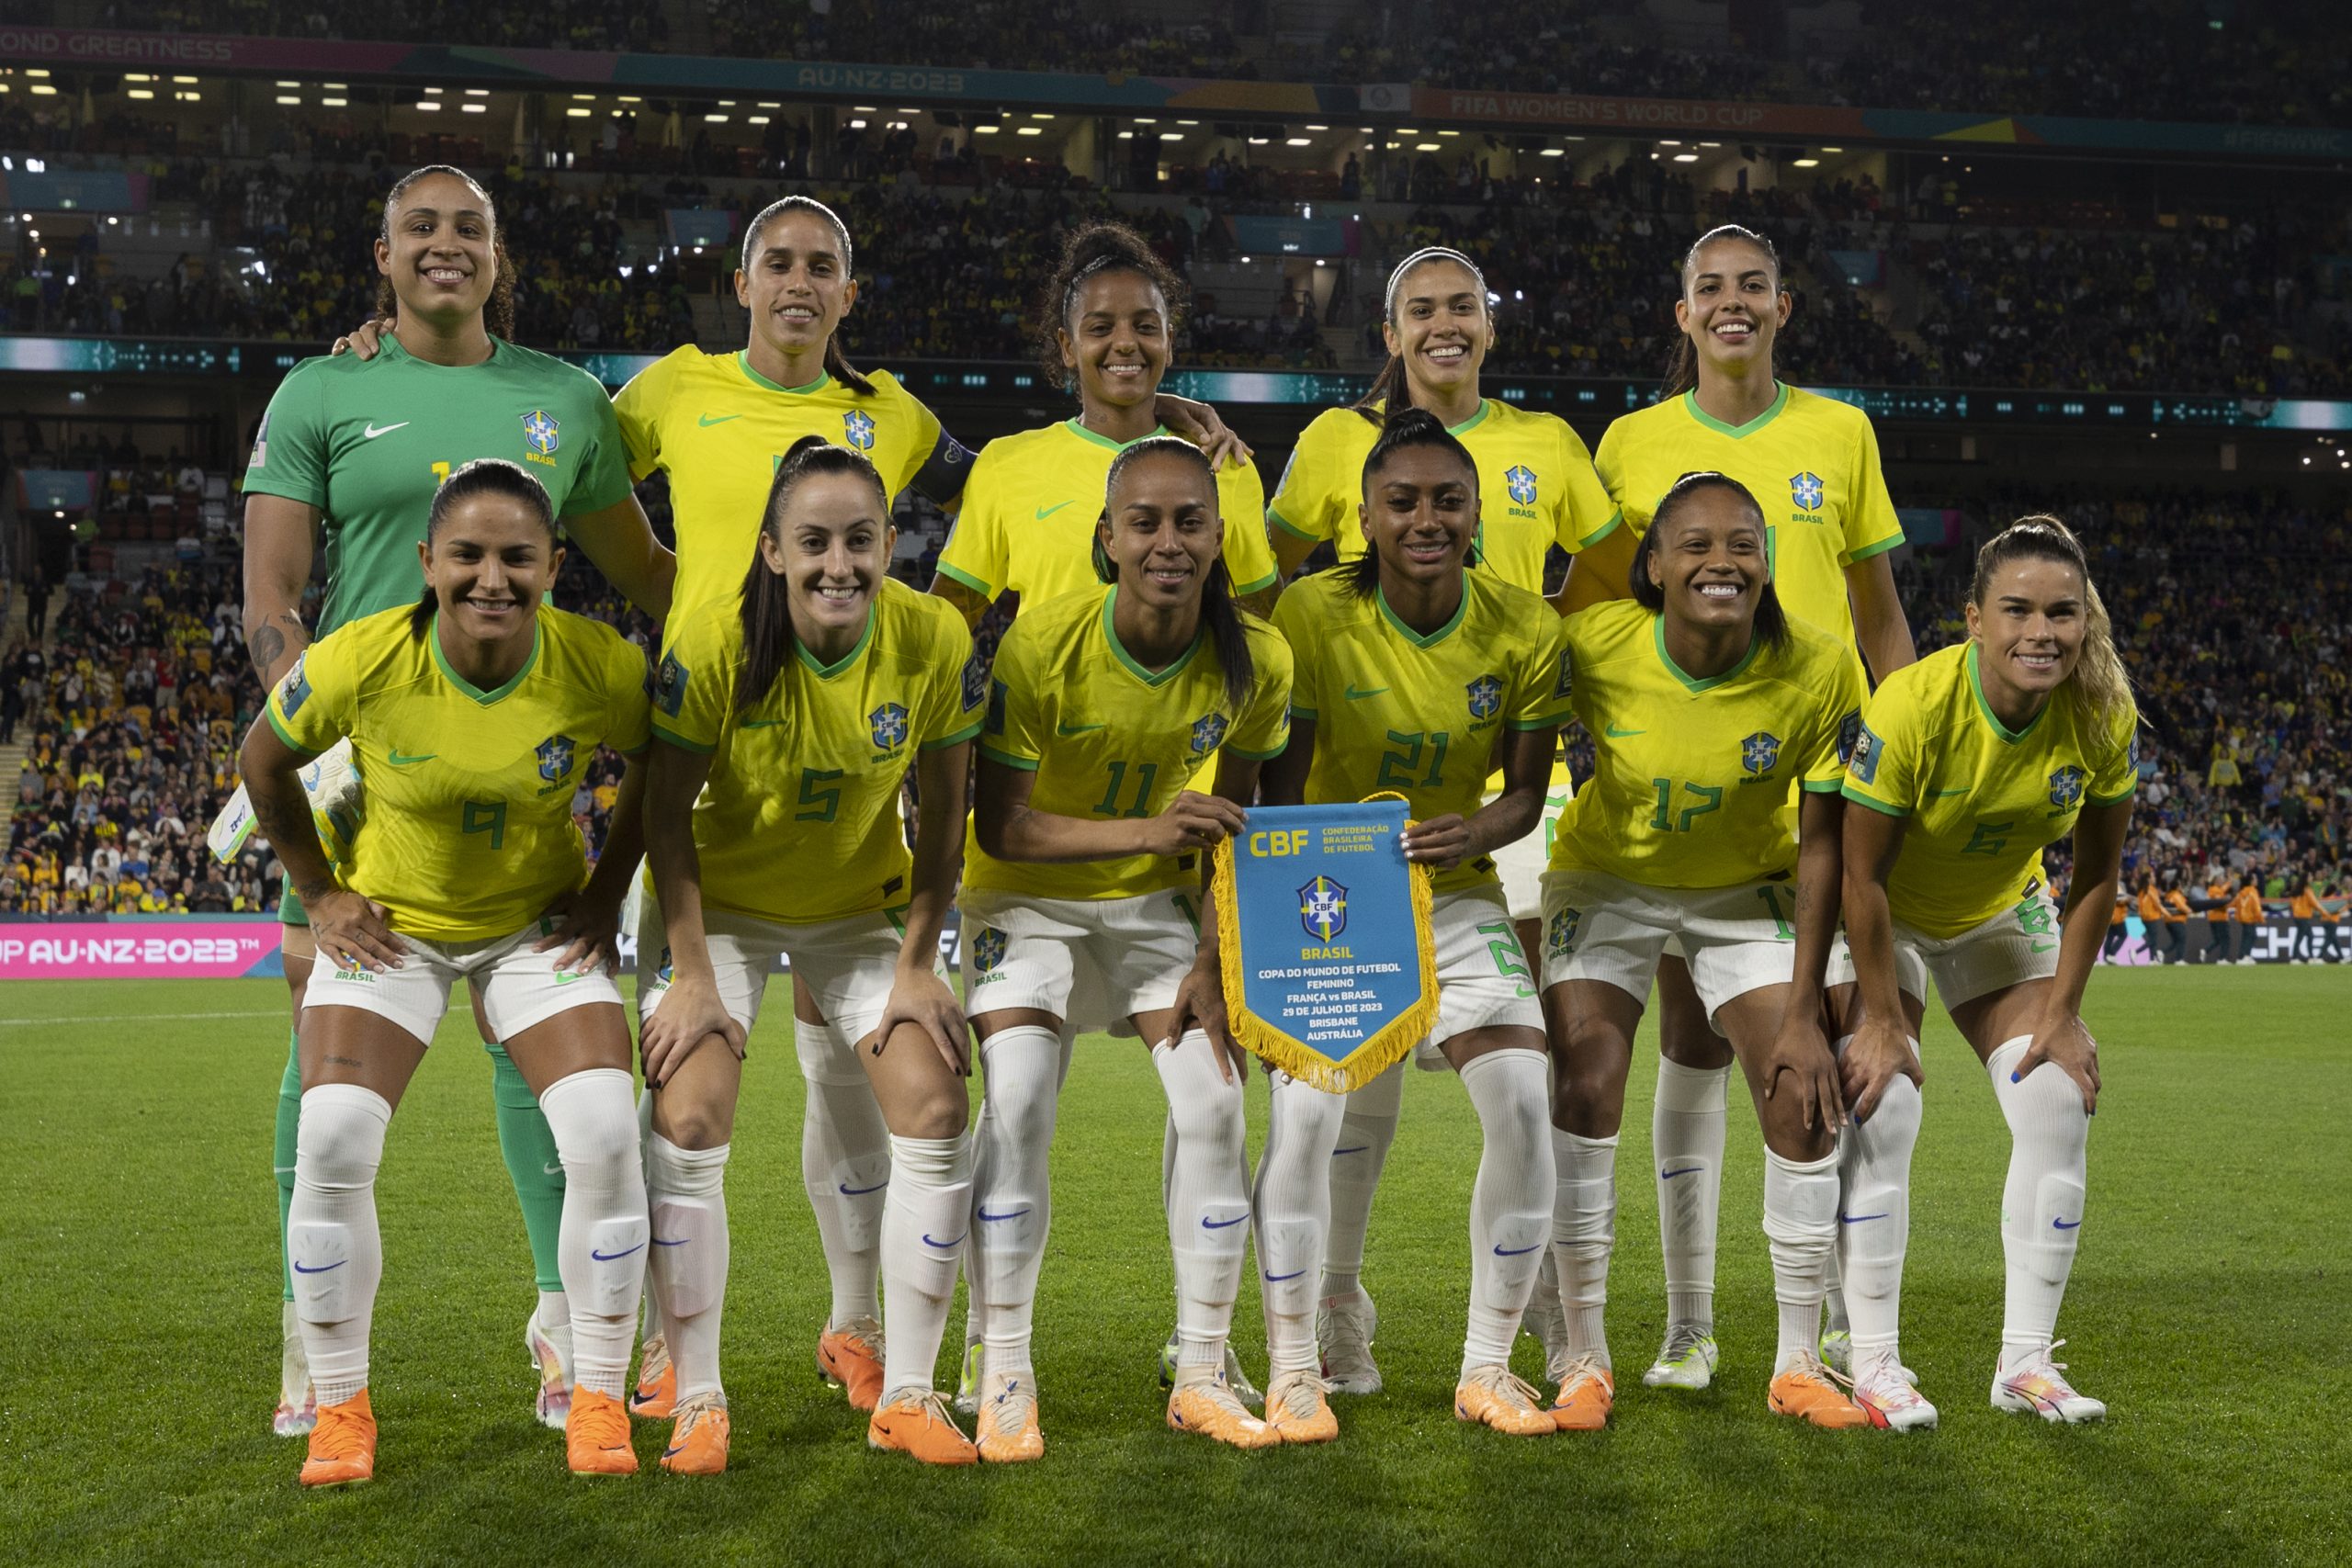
1193	822
920	999
690	1013
1440	842
2065	1043
1877	1056
1800	1054
1200	1004
352	932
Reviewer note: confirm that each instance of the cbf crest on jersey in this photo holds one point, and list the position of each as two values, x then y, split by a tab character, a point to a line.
857	428
1323	907
1520	480
542	433
988	949
1208	733
2066	786
1805	490
1560	934
888	723
1759	751
1486	695
555	758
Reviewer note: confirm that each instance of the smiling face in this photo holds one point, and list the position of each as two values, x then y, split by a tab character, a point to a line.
833	549
1116	338
1420	514
1732	305
489	564
441	258
1161	529
1708	560
2031	625
1439	326
797	287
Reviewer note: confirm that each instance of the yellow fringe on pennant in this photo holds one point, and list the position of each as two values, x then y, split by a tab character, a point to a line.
1275	1046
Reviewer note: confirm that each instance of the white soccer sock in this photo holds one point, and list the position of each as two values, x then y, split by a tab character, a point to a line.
331	1236
1208	1200
1801	1225
1875	1219
2041	1202
1510	1203
650	1318
1687	1138
1367	1126
844	1164
1012	1191
1291	1208
687	1189
923	1240
1584	1234
600	1249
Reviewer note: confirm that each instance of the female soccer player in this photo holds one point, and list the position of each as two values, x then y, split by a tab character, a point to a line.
355	448
1423	672
1706	706
1086	866
1725	409
1968	762
473	714
1108	313
1537	490
784	724
718	424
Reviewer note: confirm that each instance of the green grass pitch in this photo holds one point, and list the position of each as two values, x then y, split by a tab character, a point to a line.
138	1288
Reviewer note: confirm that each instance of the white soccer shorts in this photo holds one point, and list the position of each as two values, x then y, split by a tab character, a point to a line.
2017	945
1092	963
1598	927
1483	981
848	965
519	986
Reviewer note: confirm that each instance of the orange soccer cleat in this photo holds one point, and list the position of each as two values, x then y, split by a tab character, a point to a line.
698	1442
1808	1390
1588	1392
595	1439
918	1423
850	1357
343	1445
655	1397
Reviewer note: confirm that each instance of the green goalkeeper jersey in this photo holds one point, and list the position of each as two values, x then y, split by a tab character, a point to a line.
367	441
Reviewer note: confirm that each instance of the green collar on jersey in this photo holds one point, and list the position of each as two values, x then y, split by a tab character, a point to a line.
1119	651
1380	596
827	671
1695	682
1737	432
441	662
743	358
1083	434
1976	685
388	346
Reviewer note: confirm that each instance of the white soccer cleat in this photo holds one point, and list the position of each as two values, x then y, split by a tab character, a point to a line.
551	1351
1686	1359
298	1402
1343	1328
1838	1354
2040	1387
1890	1401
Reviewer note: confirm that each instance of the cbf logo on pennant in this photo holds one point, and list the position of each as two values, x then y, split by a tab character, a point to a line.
1323	907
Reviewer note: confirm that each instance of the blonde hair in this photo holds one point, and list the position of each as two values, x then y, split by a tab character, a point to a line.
2102	687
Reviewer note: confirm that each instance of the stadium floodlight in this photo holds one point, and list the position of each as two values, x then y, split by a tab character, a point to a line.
1142	120
1318	128
1833	149
1427	146
1171	136
475	108
142	92
294	99
1033	130
328	102
477	91
986	130
183	81
1804	162
429	106
575	113
1298	141
290	83
1553	153
1686	157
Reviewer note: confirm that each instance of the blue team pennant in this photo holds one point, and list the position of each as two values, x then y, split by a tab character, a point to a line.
1323	932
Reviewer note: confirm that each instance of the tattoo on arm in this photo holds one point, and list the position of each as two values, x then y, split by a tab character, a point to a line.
287	822
267	647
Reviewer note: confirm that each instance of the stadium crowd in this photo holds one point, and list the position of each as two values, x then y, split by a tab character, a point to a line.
133	705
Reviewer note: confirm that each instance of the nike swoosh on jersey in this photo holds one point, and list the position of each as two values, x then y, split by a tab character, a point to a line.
1045	512
1354	695
1076	728
373	431
400	762
1617	734
706	422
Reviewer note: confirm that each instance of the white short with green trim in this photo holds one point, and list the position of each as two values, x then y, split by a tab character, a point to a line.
847	964
1521	862
1482	975
519	987
1598	927
2017	945
1092	963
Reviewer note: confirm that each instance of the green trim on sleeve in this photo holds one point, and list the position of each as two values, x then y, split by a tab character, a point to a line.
283	733
1298	713
681	742
1527	724
638	750
1867	551
1616	521
1243	591
1255	756
1858	798
958	739
1293	529
955	574
1026	765
1823	786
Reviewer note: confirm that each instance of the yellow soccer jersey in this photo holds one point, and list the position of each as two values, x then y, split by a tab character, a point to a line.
1536	487
799	820
719	429
1691	777
1981	799
468	832
1027	522
1811	464
1419	715
1107	738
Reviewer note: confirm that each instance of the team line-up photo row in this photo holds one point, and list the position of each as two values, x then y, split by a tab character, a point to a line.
1791	822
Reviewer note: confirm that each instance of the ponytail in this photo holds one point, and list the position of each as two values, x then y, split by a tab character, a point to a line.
1683	365
1229	634
2102	687
765	601
1390	389
836	364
